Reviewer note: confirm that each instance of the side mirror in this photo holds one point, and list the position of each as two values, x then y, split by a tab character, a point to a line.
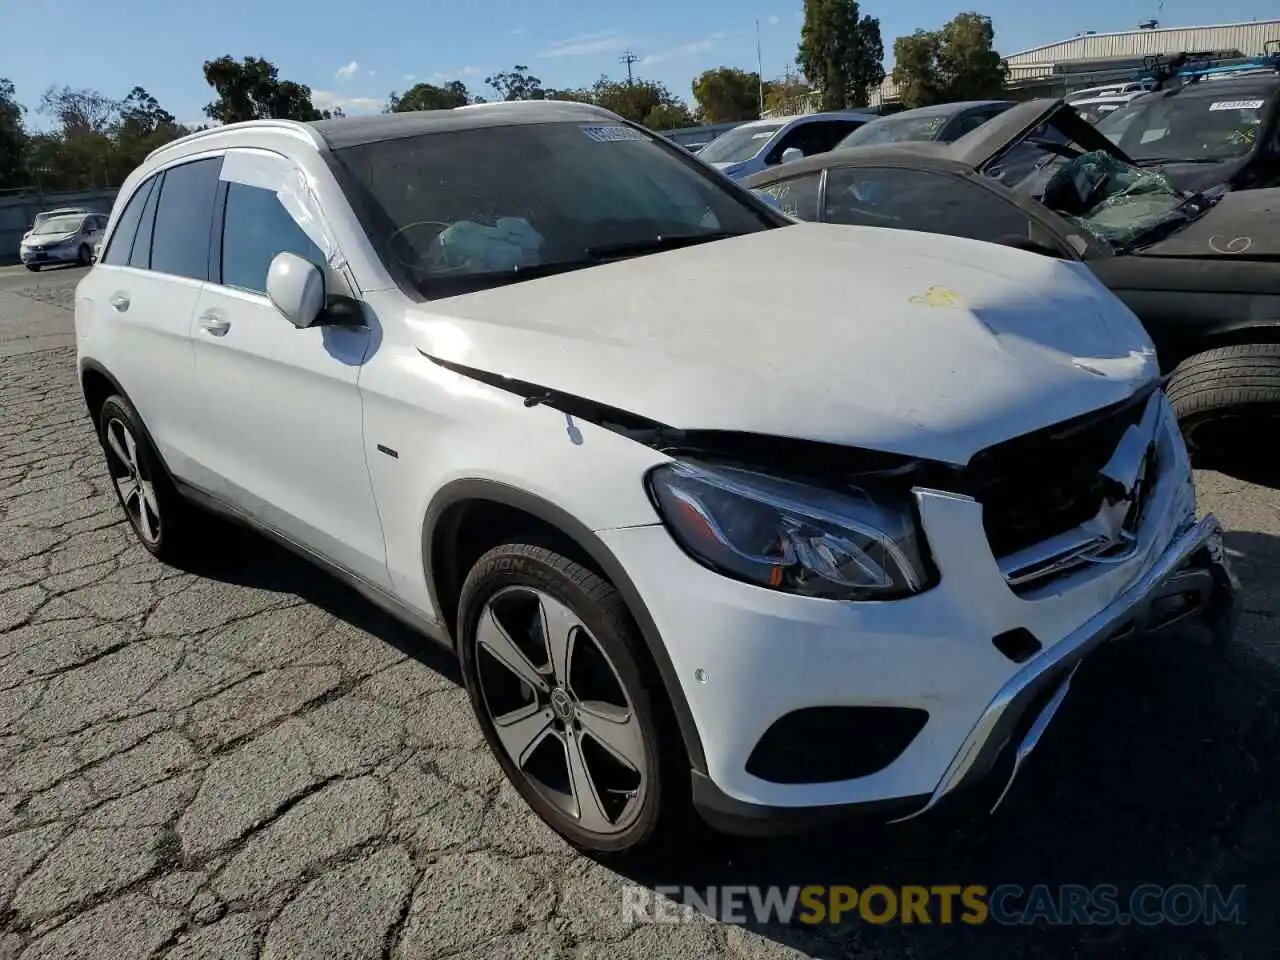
792	153
295	287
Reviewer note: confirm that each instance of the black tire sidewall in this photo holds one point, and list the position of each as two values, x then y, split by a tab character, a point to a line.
524	565
117	407
84	256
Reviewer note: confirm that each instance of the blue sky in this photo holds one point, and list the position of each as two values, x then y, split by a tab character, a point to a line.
354	53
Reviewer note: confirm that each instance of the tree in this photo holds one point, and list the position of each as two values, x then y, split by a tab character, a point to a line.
142	116
727	93
13	137
641	100
958	62
252	90
516	84
779	93
80	111
841	52
426	96
577	96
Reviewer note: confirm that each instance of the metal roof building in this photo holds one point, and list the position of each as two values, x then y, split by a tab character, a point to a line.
1091	59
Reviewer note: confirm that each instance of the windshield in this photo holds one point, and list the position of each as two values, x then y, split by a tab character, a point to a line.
1094	112
895	130
740	143
1192	126
464	210
55	226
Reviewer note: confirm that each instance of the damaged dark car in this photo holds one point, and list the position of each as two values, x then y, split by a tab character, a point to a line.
1198	261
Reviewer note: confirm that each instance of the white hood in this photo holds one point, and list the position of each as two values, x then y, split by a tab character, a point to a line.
903	342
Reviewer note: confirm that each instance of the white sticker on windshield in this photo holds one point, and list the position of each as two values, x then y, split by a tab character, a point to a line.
763	136
1237	105
613	134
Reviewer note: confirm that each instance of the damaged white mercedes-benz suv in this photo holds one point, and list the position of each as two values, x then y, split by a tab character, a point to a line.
773	521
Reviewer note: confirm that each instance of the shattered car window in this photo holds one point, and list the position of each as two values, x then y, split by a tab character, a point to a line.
1115	202
1206	126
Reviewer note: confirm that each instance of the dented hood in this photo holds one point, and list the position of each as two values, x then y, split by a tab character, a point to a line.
904	342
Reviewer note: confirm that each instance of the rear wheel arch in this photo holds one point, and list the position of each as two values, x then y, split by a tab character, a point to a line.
468	517
98	384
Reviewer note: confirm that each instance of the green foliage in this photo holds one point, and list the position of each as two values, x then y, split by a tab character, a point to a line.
517	84
251	89
426	96
956	63
841	52
727	94
13	138
642	101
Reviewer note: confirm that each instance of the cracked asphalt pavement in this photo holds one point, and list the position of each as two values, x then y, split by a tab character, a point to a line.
248	760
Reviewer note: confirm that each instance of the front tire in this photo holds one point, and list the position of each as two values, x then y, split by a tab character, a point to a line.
84	256
565	697
1227	399
161	519
33	267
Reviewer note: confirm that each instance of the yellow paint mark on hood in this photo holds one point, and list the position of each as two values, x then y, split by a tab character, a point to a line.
937	296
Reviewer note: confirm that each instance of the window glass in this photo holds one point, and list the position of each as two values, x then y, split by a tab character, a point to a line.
451	211
797	196
117	252
141	256
740	143
1196	125
255	229
184	215
928	202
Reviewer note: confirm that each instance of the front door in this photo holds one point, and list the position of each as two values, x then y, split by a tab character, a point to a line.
282	403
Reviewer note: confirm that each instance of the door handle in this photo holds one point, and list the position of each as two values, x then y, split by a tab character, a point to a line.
214	323
119	302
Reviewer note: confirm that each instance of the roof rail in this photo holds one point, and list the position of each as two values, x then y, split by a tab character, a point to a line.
293	128
1191	67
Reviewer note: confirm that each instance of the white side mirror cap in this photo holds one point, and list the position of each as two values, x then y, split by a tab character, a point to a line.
791	154
296	288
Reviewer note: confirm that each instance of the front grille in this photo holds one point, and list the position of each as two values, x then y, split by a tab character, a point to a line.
1044	483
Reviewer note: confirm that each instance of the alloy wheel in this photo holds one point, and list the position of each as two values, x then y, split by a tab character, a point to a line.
560	710
133	482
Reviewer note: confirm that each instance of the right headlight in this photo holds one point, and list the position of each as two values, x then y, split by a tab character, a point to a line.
790	536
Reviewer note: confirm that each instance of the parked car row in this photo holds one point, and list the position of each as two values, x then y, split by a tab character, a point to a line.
720	512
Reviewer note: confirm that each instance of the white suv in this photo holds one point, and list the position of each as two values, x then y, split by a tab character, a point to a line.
527	376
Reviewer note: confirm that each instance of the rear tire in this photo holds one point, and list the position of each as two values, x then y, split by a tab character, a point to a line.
162	520
33	267
1226	399
636	793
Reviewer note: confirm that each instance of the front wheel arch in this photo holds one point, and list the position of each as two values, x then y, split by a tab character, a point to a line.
444	521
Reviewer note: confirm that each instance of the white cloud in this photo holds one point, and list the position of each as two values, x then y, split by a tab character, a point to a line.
773	19
518	32
408	76
470	72
602	42
373	73
684	50
328	100
350	70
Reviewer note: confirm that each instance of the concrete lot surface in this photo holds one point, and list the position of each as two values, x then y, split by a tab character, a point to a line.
247	760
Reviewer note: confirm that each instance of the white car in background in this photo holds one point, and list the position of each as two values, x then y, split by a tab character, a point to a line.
62	238
699	539
751	147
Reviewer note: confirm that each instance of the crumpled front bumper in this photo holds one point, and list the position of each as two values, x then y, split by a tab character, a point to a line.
1192	578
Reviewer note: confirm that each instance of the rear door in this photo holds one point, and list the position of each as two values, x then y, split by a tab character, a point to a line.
146	286
281	405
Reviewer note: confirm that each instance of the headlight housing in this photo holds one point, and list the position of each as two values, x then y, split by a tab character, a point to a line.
790	536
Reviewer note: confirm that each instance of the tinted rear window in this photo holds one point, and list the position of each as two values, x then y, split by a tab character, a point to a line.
184	215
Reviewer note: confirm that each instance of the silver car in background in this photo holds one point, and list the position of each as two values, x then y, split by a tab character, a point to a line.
65	238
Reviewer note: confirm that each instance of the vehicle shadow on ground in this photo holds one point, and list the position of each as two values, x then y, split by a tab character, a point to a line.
1161	768
245	558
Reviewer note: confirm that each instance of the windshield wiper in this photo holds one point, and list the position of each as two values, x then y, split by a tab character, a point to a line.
655	244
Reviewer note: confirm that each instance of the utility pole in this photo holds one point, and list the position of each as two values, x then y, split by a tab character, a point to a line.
628	58
759	67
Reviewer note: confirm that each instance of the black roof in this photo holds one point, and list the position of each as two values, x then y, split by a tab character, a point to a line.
919	154
353	131
945	109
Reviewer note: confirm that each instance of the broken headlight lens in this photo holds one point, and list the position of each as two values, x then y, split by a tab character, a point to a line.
791	536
